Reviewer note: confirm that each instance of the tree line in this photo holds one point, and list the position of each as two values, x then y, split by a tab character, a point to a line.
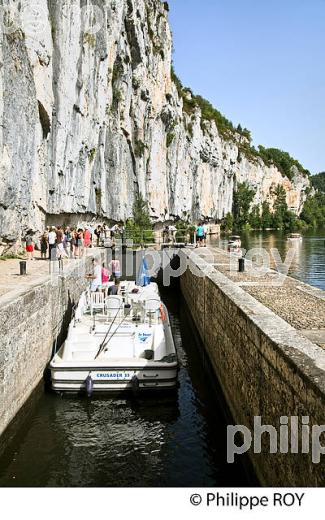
246	216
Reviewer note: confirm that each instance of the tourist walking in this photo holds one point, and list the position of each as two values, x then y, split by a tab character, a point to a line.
115	268
87	238
102	237
44	245
68	242
73	242
97	234
60	250
52	243
166	235
200	235
79	244
106	231
30	246
106	275
173	233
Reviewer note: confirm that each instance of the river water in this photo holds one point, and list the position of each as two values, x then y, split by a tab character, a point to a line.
148	442
308	264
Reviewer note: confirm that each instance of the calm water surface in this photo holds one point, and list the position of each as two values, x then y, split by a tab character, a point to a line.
309	261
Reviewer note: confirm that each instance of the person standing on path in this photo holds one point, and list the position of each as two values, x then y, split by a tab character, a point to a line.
60	251
30	247
87	238
68	242
200	235
73	243
97	234
79	244
44	245
52	244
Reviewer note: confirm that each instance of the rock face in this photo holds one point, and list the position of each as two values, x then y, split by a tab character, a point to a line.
90	116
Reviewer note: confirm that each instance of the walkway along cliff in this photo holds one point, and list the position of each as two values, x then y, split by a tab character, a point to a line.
91	115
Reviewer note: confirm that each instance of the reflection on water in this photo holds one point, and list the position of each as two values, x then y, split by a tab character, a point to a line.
178	441
309	261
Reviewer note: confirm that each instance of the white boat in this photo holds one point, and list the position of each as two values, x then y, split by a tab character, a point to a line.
234	244
117	343
295	237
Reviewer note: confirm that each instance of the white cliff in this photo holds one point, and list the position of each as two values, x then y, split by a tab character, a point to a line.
90	115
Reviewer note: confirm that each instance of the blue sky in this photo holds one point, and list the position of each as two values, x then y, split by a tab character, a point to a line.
262	64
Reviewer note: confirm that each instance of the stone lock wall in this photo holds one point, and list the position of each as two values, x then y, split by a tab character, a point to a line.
265	367
30	324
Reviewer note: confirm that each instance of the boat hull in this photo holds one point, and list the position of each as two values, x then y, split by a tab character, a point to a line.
112	379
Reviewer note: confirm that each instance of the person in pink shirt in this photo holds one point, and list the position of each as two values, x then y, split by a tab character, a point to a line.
106	275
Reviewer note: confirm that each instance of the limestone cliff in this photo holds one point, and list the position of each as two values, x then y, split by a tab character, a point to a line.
90	115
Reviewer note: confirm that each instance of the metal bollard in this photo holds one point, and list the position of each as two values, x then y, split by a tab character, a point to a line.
23	268
241	265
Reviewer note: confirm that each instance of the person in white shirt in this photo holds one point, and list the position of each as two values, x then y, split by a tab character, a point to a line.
96	278
173	232
52	243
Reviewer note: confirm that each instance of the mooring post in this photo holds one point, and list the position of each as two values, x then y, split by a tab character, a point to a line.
23	268
241	265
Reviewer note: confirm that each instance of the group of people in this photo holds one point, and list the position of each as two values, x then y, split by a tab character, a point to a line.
103	233
60	242
102	276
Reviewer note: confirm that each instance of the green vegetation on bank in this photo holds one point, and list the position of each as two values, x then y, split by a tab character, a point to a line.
318	182
241	136
246	217
139	228
185	231
282	160
314	211
243	197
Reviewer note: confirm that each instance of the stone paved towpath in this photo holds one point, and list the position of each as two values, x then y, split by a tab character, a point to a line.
38	271
299	304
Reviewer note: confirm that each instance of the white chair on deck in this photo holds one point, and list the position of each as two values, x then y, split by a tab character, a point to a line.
97	302
152	306
114	307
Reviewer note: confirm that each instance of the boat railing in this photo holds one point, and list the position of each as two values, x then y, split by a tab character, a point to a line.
147	311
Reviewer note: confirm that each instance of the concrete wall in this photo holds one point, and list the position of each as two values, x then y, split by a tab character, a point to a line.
30	323
265	367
